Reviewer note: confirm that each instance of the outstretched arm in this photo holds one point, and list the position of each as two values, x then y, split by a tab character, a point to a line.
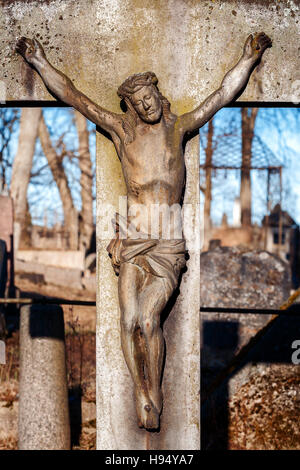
64	89
234	81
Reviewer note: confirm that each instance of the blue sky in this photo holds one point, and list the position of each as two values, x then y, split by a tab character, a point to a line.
284	142
279	130
44	199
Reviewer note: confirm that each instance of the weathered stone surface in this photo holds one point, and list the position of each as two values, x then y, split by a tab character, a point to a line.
58	258
263	394
119	33
43	401
116	419
264	412
116	409
234	277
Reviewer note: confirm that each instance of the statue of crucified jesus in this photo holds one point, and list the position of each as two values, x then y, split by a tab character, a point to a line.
148	139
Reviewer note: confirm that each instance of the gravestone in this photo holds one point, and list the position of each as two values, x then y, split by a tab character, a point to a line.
237	278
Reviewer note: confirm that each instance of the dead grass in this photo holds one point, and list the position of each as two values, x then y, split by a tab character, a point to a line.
9	443
9	391
87	441
264	415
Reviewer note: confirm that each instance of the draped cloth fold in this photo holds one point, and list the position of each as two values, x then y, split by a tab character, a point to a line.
162	258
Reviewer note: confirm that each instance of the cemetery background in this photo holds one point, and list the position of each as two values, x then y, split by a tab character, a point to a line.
44	265
185	36
250	385
80	348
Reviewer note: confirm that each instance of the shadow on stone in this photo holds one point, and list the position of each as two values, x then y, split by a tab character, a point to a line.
219	342
42	323
75	411
43	394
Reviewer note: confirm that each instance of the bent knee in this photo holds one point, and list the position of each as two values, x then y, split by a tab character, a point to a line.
150	326
128	322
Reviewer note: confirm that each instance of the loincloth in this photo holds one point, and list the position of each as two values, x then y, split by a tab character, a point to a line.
159	257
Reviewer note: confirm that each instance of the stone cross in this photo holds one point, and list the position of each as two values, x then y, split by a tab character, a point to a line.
148	253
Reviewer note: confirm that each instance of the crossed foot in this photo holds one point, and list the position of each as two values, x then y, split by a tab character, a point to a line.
148	409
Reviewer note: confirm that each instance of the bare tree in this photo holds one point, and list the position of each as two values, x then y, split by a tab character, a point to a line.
86	223
248	123
278	124
58	172
21	170
208	171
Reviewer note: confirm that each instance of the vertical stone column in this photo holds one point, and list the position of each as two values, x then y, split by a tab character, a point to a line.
43	404
116	416
180	420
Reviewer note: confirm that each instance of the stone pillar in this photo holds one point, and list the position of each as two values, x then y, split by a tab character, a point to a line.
180	420
43	403
116	415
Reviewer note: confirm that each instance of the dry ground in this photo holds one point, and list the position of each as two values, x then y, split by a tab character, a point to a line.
80	322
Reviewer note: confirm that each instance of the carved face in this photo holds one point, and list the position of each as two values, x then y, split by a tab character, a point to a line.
147	104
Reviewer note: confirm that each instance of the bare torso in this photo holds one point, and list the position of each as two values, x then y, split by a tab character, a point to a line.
154	173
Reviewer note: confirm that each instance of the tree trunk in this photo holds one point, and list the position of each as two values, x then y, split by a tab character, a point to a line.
22	165
248	123
86	222
208	171
58	172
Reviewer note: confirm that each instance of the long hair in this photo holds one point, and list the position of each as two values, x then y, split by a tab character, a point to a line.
131	85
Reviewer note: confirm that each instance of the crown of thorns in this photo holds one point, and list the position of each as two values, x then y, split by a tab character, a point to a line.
135	82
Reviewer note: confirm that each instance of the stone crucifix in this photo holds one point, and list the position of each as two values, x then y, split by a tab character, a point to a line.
148	139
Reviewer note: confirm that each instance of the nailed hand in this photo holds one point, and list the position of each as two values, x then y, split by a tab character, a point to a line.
30	49
256	45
